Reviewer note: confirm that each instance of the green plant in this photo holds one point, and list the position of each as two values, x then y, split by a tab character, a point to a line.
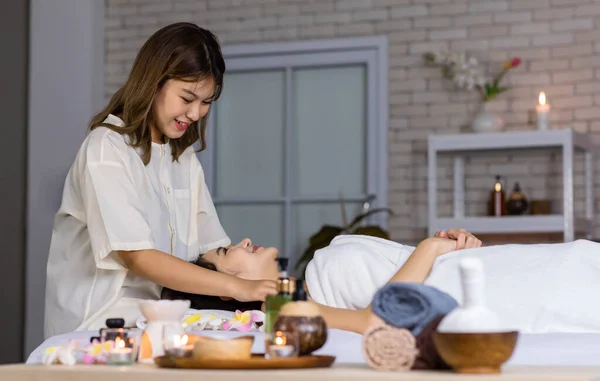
327	233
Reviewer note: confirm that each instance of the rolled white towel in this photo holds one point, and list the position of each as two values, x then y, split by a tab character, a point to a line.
348	272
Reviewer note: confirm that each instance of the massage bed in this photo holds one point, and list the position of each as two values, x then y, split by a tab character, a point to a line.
547	292
547	349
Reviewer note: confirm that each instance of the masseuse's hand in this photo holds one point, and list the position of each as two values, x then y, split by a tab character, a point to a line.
464	239
254	290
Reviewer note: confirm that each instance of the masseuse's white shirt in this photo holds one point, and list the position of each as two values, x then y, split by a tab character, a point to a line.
112	201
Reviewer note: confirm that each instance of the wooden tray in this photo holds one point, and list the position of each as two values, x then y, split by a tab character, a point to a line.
255	362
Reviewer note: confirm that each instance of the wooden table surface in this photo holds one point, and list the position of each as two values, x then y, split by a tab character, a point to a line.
339	372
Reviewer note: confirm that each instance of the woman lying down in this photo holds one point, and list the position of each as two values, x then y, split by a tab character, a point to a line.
533	288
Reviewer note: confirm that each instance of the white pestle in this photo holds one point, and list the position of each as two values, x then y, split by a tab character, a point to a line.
473	315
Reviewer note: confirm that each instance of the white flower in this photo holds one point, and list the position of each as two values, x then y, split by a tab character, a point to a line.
479	80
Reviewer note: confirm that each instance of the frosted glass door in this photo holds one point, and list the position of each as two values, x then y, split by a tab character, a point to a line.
329	150
329	129
249	135
290	135
249	156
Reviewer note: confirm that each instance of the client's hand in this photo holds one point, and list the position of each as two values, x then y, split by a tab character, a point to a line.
464	239
254	290
440	246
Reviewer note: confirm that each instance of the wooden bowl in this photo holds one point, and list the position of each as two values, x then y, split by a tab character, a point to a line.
476	353
304	319
210	348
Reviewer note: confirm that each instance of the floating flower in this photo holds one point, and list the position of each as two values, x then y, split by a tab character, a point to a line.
95	352
192	319
60	355
210	321
243	321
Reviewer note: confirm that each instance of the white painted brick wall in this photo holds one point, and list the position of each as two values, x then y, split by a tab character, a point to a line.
558	41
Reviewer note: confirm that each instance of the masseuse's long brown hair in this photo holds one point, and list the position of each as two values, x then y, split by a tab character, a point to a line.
182	51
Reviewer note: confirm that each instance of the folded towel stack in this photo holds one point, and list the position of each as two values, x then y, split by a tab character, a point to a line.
402	339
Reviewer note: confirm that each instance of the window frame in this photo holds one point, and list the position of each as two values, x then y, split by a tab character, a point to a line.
287	56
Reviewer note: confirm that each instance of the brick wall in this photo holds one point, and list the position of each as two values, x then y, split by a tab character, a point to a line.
557	39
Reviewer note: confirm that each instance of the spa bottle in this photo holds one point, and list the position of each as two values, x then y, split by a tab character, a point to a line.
473	315
497	203
284	295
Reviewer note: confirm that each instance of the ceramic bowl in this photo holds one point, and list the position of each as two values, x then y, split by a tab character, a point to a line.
477	353
164	310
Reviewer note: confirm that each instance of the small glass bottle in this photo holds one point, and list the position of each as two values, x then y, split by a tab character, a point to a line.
497	203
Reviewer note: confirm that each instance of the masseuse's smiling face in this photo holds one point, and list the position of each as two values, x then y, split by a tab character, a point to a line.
246	261
178	104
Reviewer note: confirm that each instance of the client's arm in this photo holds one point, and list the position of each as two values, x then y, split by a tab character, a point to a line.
415	269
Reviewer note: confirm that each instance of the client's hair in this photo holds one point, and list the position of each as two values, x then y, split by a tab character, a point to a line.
208	302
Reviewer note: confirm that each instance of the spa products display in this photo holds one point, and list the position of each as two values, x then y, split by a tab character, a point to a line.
235	353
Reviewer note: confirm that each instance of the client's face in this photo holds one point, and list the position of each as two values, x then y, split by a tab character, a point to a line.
246	261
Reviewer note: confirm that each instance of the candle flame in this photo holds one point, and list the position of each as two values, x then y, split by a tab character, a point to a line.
279	339
179	341
119	343
542	98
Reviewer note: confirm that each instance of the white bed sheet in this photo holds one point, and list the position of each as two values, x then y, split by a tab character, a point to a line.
542	288
558	349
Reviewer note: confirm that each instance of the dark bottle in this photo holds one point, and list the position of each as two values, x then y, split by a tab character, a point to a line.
497	203
517	202
299	292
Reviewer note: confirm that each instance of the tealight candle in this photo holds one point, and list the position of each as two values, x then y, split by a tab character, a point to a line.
120	355
180	347
281	346
543	112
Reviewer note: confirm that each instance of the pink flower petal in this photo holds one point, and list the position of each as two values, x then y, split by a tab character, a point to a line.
226	325
245	327
258	316
88	359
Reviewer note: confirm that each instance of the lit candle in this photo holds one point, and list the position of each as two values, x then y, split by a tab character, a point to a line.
119	354
543	112
180	347
279	347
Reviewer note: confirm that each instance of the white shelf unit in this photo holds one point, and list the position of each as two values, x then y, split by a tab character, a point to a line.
461	145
